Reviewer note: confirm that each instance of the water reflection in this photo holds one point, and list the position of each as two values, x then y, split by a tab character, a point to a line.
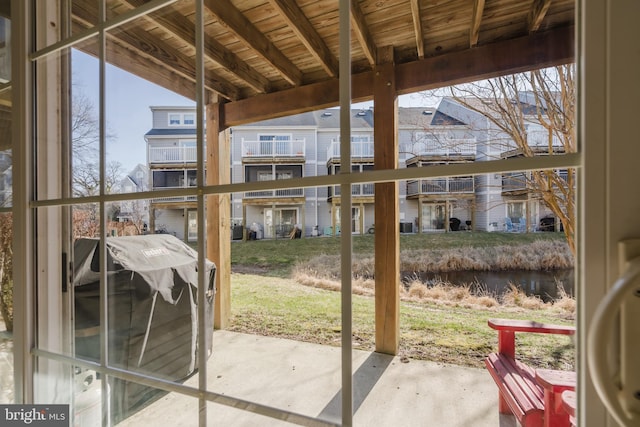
544	284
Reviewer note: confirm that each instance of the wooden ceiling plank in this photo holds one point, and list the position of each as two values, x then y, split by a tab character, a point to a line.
144	68
163	55
307	34
553	47
235	21
417	27
362	33
181	27
476	20
147	45
537	13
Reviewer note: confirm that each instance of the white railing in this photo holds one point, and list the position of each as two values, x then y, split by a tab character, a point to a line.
172	154
442	147
463	184
287	192
172	199
359	150
273	148
176	199
514	181
356	190
540	138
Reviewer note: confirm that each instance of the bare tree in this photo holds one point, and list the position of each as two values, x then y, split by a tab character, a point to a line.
86	178
515	104
85	134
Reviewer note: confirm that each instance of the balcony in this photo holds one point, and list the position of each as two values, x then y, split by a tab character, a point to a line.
540	138
514	182
359	150
172	155
267	194
440	147
357	190
273	149
453	185
172	199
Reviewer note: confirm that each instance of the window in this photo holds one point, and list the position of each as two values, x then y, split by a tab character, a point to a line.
49	357
189	119
174	119
516	210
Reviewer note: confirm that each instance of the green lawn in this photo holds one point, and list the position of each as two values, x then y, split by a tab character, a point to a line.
452	334
267	301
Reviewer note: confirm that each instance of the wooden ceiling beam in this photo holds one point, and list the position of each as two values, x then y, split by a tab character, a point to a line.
161	54
362	33
148	45
299	24
535	51
537	13
181	27
130	60
417	27
539	50
239	25
476	20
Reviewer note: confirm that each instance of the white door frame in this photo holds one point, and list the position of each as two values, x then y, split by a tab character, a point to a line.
609	202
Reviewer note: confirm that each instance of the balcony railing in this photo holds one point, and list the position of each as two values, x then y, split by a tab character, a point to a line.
273	148
172	199
359	150
176	199
172	154
540	138
514	181
445	147
457	185
287	192
357	190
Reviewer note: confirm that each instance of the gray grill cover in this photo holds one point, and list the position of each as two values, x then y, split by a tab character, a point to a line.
152	309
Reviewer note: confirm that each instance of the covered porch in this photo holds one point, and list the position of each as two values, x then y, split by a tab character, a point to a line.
303	380
245	68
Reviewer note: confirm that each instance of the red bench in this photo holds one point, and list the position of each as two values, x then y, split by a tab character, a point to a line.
520	393
569	405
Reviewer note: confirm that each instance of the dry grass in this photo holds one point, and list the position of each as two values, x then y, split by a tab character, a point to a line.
538	255
471	295
323	271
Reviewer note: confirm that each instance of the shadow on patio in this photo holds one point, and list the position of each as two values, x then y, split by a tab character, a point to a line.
305	379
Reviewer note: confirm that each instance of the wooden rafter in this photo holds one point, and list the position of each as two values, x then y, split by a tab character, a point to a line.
362	33
307	34
179	26
476	20
158	52
537	13
486	61
417	26
237	23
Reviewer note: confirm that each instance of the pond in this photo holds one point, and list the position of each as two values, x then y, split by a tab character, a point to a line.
543	284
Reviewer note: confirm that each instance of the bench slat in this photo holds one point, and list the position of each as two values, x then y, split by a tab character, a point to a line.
530	326
518	386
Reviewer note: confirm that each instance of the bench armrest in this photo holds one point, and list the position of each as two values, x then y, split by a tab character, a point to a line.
507	328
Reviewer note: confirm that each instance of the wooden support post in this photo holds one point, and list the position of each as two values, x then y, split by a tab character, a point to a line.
218	214
387	235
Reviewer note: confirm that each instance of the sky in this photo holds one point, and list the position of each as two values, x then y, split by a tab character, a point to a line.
128	102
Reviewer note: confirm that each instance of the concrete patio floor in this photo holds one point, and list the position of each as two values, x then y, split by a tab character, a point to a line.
305	379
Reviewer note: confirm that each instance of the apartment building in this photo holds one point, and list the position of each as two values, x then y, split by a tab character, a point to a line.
308	144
